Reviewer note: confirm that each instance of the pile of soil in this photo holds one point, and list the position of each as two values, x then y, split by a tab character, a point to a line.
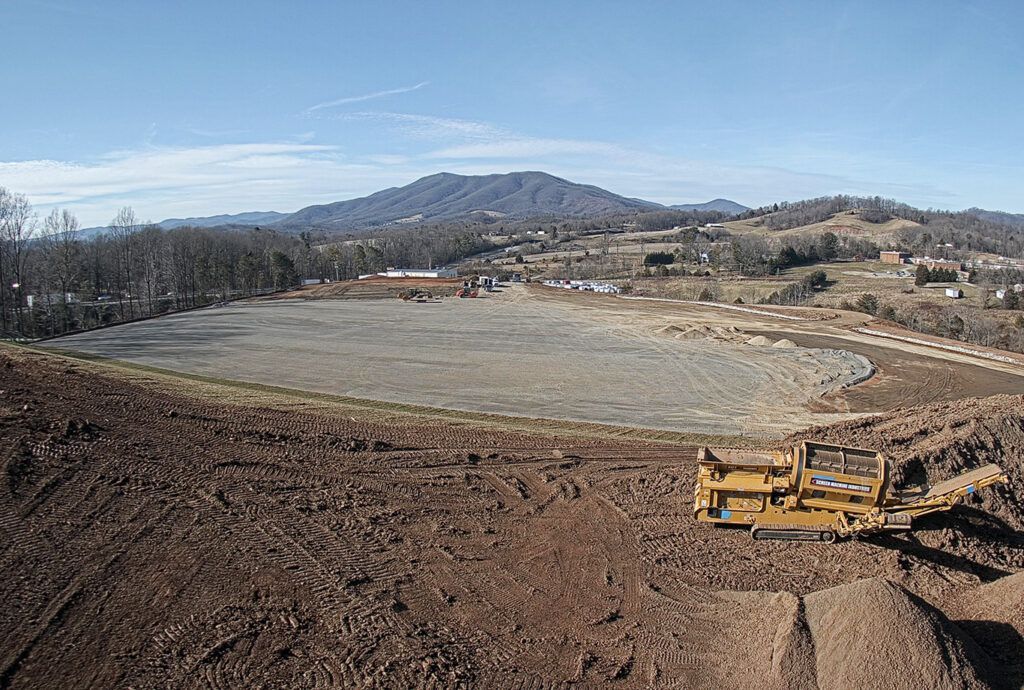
702	331
994	613
871	633
875	634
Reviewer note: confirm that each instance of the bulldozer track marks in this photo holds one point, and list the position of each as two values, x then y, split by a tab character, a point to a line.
194	541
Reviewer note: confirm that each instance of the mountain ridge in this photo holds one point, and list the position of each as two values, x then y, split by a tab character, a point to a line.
721	205
244	218
448	195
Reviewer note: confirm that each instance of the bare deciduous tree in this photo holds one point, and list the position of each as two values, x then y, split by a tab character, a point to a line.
17	226
62	249
123	228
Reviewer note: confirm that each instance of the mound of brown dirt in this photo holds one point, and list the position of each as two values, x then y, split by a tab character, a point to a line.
767	638
938	441
1002	600
993	615
875	634
871	633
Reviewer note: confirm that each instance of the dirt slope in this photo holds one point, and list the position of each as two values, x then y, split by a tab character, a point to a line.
156	535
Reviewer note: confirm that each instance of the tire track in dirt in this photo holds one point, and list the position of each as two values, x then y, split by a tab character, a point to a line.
178	541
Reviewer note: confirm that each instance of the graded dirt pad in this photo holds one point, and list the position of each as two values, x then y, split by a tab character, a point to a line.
506	353
369	288
167	534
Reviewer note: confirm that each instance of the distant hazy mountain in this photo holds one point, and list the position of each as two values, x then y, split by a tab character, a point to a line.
445	195
515	195
1015	219
720	205
249	218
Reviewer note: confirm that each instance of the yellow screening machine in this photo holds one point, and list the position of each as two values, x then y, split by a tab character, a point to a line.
817	491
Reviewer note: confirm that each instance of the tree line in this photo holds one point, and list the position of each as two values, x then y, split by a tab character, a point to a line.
54	278
964	231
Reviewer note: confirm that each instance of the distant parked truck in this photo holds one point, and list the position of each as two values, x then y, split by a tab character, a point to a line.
954	293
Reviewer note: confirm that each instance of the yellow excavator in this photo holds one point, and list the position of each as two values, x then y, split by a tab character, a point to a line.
818	491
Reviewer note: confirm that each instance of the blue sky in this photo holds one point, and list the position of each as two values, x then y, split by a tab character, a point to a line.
196	108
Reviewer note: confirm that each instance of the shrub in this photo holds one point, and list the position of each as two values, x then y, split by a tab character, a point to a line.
817	279
867	303
659	259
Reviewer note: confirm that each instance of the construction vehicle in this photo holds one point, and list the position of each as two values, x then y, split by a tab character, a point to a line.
419	295
470	288
818	491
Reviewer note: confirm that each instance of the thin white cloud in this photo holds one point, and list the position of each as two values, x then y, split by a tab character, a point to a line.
430	127
193	180
526	147
214	133
366	97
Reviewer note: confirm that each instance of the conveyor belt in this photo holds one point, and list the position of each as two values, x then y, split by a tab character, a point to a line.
977	478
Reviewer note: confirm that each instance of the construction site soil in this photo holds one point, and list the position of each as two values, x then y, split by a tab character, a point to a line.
371	288
169	533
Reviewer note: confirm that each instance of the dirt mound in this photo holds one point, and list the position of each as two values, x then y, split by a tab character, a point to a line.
672	329
767	638
993	615
785	342
936	442
760	341
872	633
701	332
875	634
1002	600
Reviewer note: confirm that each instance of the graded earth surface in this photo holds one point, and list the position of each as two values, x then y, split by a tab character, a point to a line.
167	533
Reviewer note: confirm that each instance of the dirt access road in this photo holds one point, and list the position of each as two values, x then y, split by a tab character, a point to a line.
161	533
515	352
